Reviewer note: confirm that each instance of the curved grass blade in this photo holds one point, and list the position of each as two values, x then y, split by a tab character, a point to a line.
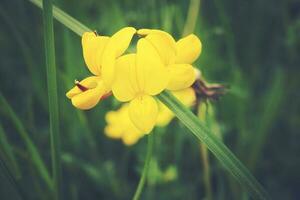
224	155
52	96
32	149
65	19
6	147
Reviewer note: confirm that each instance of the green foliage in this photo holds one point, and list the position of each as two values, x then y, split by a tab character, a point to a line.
250	46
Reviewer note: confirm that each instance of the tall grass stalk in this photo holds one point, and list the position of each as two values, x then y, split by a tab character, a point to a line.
271	105
206	170
52	95
189	27
142	181
192	17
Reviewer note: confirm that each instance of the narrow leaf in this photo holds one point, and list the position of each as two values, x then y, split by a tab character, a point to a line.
52	96
223	154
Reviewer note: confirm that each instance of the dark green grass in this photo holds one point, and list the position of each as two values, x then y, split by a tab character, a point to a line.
95	167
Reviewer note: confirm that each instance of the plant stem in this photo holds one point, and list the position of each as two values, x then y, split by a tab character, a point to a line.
192	16
52	95
206	169
204	153
141	184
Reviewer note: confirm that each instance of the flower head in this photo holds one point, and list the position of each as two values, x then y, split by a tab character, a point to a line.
139	77
177	56
100	54
87	93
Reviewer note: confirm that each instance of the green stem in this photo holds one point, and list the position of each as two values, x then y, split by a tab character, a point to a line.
52	95
141	184
192	17
223	154
206	169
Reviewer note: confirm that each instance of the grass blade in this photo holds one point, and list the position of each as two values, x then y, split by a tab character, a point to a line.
273	99
32	149
64	18
223	154
52	95
11	179
8	150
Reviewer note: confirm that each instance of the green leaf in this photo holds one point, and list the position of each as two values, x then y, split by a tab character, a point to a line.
223	154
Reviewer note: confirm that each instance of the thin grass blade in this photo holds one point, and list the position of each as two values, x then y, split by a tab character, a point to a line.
31	148
222	153
6	147
52	96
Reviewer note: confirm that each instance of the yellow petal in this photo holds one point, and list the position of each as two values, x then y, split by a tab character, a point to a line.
188	49
89	82
122	87
111	117
114	132
164	44
186	96
143	112
116	46
92	47
164	115
130	139
181	76
145	31
89	98
122	39
152	75
108	66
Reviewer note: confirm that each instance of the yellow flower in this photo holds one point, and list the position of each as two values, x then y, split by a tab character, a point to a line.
100	54
177	56
119	126
138	78
186	96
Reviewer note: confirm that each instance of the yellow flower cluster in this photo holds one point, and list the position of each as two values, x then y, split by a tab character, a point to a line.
160	63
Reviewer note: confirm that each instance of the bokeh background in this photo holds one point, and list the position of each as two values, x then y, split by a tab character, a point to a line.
251	46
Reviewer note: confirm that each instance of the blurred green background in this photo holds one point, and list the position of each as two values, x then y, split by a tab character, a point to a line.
251	46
